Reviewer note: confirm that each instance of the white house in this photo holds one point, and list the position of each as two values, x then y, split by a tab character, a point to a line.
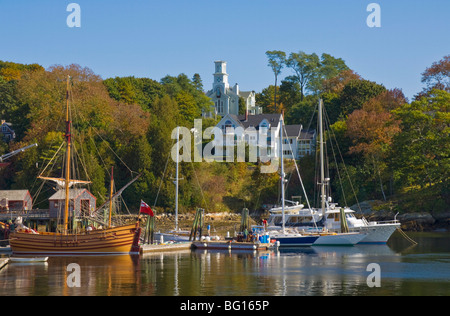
297	142
306	143
226	98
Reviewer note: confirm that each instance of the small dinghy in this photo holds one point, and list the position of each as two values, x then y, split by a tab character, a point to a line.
28	259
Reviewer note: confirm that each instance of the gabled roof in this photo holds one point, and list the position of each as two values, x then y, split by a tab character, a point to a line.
255	120
13	195
73	194
308	134
293	130
245	94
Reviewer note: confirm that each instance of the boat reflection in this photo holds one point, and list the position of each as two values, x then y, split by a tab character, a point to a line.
286	271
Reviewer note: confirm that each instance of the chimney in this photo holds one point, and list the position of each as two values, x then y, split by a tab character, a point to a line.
3	122
246	115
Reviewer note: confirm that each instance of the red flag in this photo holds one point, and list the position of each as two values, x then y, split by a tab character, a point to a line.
145	208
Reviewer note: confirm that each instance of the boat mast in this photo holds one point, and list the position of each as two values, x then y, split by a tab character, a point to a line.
111	197
176	179
322	168
69	145
282	175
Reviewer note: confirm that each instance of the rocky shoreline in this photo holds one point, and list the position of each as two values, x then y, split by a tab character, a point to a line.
221	223
417	221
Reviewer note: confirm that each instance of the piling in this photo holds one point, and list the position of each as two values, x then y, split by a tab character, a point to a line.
3	262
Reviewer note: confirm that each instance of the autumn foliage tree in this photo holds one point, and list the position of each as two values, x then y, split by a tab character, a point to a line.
372	129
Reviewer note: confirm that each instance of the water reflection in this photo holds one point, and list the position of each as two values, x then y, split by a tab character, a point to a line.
297	271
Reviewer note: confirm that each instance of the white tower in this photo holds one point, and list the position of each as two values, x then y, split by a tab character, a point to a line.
221	76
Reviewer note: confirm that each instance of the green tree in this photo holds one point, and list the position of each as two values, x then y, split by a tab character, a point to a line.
174	87
356	93
131	90
421	152
305	66
277	60
330	67
188	108
197	81
290	94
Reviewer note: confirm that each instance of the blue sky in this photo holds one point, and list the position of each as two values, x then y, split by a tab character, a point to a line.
149	38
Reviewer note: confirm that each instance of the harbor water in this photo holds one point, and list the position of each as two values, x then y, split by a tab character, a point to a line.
403	269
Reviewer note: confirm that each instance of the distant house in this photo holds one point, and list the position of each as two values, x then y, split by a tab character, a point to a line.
261	124
290	141
7	131
307	142
80	200
15	200
297	142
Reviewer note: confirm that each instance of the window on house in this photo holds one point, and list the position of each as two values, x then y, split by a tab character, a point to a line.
85	205
219	106
228	125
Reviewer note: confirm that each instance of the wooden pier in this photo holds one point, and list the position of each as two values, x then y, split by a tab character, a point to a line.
232	245
165	247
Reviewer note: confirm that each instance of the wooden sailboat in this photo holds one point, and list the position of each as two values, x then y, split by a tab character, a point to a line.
111	240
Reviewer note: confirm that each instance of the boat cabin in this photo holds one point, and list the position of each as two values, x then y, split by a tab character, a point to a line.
81	203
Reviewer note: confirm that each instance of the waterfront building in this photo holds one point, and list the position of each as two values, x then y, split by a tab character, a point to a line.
226	98
297	142
15	200
81	203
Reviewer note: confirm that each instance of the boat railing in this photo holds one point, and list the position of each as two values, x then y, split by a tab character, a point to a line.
32	214
394	221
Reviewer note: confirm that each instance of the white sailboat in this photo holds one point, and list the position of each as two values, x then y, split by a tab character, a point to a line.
284	237
175	235
329	216
344	237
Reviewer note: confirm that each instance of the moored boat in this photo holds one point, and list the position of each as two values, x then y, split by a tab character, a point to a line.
115	240
109	240
329	218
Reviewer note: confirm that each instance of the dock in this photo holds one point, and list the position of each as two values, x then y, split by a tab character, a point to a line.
165	247
232	245
3	262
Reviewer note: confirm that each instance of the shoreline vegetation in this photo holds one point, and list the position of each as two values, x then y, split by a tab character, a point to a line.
394	153
224	222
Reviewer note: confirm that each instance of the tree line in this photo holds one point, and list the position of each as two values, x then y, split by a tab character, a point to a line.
392	149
